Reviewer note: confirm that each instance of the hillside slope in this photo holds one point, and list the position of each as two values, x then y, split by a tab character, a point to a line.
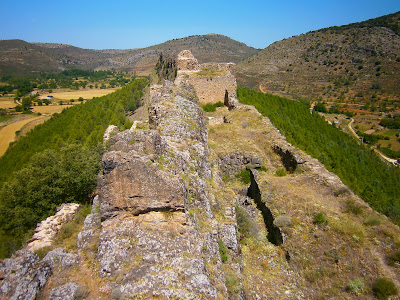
180	215
331	63
18	57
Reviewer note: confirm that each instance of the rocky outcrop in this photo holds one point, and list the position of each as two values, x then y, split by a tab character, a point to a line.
47	229
152	194
69	291
233	163
22	276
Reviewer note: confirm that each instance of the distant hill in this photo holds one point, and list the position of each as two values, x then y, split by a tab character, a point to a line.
18	57
331	63
206	48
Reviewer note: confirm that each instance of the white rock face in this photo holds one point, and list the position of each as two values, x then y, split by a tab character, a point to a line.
47	229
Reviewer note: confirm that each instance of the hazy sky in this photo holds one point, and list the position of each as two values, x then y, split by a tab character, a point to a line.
133	24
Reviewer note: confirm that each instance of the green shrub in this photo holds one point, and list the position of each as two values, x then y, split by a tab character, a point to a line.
262	169
320	218
244	176
281	172
356	285
41	252
223	251
383	288
209	107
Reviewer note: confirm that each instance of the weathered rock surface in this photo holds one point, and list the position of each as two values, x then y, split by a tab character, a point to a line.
47	229
151	193
235	162
22	276
62	257
69	291
186	61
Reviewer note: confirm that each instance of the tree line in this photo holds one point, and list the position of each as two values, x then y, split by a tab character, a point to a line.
57	162
368	176
65	79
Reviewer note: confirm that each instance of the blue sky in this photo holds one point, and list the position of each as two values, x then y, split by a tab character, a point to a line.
135	24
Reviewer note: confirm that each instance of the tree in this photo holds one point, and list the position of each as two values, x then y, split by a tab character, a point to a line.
321	108
26	103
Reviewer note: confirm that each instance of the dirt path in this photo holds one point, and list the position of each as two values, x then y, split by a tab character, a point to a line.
262	89
7	133
352	130
390	160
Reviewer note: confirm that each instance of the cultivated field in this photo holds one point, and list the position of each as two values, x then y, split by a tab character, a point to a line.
7	133
49	109
7	102
86	94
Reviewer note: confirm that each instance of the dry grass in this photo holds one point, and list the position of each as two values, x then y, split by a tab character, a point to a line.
86	94
29	126
7	102
50	109
7	133
323	257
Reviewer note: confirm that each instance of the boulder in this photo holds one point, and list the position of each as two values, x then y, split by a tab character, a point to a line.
22	276
69	291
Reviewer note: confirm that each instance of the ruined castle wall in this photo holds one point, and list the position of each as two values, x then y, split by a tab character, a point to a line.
229	67
211	89
211	81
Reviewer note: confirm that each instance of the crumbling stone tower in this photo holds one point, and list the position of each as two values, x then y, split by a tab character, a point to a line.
212	82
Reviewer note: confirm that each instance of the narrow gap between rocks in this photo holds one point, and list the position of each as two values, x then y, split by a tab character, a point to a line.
274	234
288	160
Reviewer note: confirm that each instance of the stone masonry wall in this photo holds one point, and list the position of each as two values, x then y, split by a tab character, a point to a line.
211	81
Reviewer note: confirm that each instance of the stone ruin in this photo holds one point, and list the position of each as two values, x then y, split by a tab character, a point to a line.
213	82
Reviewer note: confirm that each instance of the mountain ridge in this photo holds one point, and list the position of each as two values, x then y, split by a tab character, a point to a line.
330	63
18	57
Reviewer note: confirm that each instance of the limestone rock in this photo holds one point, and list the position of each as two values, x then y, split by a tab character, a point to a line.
109	133
62	257
91	226
283	221
149	243
137	186
47	229
235	162
22	276
69	291
228	235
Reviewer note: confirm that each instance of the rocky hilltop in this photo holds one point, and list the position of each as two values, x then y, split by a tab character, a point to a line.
216	206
